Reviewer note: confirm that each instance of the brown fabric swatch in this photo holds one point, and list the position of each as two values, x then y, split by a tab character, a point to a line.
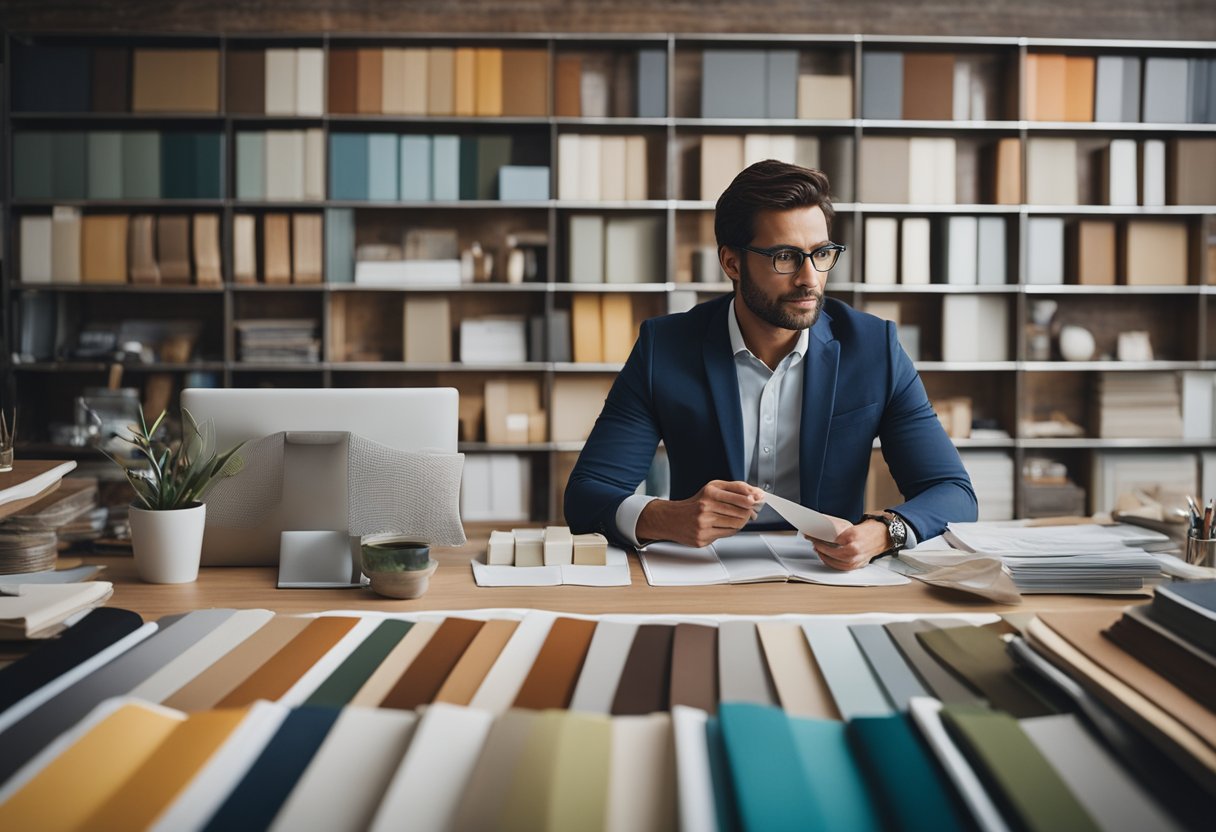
111	80
645	678
694	667
343	84
466	678
427	673
284	669
550	682
245	82
369	86
217	681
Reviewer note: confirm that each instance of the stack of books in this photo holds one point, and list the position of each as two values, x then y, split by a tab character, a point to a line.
29	537
1139	405
991	475
279	341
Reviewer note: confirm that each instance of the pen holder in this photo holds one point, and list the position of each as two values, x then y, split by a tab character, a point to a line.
1200	552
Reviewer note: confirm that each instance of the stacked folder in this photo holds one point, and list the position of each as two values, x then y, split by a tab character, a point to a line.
541	721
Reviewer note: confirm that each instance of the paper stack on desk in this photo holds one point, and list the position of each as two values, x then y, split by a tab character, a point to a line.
1084	558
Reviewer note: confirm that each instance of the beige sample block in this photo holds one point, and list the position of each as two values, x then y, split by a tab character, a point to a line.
529	547
590	549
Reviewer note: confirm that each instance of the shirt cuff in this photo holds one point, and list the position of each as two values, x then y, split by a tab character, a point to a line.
910	542
627	514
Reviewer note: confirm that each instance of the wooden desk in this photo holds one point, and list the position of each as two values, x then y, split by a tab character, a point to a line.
452	588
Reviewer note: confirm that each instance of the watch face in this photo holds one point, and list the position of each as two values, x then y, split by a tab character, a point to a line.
899	532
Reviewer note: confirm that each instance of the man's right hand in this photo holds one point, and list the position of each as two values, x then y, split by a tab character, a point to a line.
718	510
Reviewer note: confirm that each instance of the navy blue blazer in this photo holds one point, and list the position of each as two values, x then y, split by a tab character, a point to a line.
679	386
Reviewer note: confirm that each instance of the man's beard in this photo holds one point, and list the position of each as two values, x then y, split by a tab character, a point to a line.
775	312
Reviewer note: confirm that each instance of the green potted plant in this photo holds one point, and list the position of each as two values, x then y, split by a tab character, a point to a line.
170	480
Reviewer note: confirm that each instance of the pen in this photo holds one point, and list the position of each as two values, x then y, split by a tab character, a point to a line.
1207	521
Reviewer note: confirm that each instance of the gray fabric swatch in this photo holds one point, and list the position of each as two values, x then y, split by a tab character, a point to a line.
854	687
892	670
742	672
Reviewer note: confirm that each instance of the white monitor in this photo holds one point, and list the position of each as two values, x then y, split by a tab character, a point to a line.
406	418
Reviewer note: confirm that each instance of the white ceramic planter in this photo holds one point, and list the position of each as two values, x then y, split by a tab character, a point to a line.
168	544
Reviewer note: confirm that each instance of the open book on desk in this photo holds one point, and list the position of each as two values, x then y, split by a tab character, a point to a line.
751	557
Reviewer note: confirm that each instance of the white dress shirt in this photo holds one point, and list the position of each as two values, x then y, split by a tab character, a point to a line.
772	413
771	401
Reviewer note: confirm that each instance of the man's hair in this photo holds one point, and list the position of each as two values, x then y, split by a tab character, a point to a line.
767	186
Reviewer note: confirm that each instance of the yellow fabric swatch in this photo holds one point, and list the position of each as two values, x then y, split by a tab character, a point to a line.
172	766
581	771
527	805
66	793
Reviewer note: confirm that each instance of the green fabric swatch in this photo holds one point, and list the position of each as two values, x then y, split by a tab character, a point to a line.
141	165
911	789
1019	777
104	164
765	768
342	685
68	179
978	655
33	165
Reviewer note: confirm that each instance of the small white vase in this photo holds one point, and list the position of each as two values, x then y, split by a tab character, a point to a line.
168	544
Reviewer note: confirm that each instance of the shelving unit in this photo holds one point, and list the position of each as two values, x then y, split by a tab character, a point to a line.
1001	387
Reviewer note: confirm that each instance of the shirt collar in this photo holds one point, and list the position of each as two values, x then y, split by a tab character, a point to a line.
737	344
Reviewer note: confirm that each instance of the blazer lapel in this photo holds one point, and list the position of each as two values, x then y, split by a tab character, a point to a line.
818	401
724	387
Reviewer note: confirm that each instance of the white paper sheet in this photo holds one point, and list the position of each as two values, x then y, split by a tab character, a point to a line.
806	520
615	573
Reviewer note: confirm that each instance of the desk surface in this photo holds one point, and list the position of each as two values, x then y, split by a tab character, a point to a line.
452	588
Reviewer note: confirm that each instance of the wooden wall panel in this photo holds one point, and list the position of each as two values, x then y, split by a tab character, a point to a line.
1170	19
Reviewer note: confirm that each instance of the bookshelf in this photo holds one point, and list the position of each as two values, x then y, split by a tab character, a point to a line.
840	117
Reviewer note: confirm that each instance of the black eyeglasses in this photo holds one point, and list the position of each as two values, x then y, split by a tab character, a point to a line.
789	260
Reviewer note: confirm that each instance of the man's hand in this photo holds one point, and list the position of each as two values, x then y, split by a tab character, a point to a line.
718	510
855	546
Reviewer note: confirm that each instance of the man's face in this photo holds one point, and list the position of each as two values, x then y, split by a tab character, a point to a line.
785	301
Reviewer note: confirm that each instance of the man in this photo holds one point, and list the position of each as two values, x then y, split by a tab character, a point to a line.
771	389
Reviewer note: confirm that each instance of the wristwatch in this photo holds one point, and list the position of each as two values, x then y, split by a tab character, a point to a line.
897	529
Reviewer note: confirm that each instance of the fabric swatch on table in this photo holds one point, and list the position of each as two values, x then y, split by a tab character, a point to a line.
980	656
261	792
470	672
73	785
399	659
190	663
99	629
742	672
937	679
427	673
694	667
800	685
601	676
25	738
174	763
337	796
642	688
642	782
284	669
213	684
550	683
1021	780
765	768
341	685
888	664
494	775
910	788
855	689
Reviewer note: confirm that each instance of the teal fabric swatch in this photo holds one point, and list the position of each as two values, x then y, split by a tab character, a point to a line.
910	787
